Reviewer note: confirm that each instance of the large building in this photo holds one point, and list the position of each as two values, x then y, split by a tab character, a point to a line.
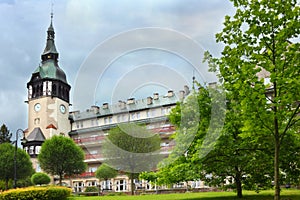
49	115
90	127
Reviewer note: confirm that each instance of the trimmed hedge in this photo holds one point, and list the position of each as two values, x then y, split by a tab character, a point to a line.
91	189
36	193
40	178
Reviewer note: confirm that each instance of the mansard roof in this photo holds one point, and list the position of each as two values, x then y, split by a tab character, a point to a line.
131	105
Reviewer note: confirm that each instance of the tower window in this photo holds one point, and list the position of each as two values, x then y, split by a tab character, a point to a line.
36	121
54	89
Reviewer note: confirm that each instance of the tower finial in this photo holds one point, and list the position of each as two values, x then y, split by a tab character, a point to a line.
51	14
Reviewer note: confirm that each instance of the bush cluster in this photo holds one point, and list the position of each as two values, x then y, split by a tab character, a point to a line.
45	193
91	189
40	178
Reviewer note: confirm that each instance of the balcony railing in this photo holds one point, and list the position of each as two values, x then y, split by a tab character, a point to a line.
93	156
166	149
92	139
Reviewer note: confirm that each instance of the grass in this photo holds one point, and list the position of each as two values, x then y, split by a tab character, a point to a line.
248	195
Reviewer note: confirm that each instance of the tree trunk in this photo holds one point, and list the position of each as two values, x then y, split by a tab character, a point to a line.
60	179
276	166
132	183
238	182
6	183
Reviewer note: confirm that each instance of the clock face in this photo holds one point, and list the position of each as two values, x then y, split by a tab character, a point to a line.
62	109
37	107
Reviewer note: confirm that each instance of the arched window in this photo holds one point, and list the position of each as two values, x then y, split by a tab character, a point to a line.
33	92
41	90
54	92
59	91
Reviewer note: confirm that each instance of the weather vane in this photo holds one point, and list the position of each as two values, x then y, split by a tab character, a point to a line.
52	4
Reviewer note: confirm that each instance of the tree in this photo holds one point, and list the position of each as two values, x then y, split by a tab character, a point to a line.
223	156
258	39
40	178
179	171
132	148
105	172
23	163
151	177
60	156
148	176
5	135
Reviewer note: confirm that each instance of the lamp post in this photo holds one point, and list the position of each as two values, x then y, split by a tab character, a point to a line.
15	155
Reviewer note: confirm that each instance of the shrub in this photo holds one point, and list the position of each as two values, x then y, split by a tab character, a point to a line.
91	189
40	178
45	193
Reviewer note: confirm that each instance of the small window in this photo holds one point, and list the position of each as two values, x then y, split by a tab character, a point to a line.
37	121
148	113
31	150
37	149
133	116
153	113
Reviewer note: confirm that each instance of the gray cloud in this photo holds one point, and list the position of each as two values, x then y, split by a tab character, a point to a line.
82	25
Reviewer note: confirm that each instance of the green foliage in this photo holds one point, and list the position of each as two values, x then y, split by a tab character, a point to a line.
91	189
24	165
259	40
45	193
25	182
132	148
148	176
60	156
105	172
5	134
4	185
116	194
40	178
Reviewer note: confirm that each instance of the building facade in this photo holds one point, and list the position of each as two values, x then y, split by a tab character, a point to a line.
90	127
49	115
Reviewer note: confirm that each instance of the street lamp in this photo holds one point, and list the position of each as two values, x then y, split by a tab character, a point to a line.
15	155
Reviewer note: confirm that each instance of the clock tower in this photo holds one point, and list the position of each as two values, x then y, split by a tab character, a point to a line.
48	99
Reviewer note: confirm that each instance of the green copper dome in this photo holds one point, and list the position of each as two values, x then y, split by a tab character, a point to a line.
49	69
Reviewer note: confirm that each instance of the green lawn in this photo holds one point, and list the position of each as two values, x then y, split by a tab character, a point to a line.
248	195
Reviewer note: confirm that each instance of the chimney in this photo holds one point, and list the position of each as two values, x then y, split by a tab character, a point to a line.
181	94
95	109
212	85
105	105
130	101
122	104
155	96
149	100
186	90
170	93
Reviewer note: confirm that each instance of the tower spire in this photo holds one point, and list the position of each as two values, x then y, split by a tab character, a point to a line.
50	51
51	14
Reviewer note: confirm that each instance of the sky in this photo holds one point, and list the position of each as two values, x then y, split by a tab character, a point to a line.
110	50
